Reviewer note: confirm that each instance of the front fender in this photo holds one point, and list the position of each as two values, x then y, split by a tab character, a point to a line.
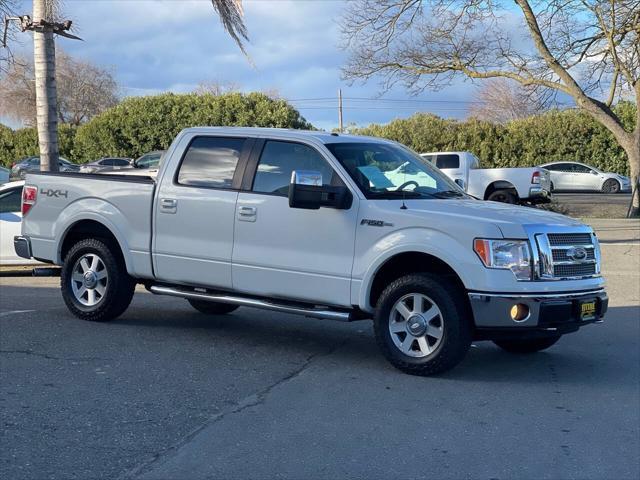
452	251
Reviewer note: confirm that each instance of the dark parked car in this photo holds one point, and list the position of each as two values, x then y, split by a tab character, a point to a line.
106	163
32	164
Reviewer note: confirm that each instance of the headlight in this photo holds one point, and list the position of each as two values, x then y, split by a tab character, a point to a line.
513	255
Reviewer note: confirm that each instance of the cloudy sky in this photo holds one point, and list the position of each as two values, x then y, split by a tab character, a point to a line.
173	45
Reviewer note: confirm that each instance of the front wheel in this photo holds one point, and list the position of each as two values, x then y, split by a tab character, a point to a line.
94	281
527	346
611	186
422	324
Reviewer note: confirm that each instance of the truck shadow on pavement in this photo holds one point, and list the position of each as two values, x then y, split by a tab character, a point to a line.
582	357
599	353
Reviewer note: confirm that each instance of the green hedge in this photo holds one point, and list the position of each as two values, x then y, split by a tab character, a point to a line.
552	136
141	124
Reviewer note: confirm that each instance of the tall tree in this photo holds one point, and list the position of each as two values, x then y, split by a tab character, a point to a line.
84	90
587	49
500	100
44	62
44	26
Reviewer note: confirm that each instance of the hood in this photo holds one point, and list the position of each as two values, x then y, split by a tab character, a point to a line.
510	219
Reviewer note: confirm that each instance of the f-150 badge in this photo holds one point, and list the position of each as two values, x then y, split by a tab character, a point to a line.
375	223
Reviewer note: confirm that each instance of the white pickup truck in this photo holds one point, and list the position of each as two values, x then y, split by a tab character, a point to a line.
507	185
321	225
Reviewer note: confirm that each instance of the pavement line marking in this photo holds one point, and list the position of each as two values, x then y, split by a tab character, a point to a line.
12	312
614	243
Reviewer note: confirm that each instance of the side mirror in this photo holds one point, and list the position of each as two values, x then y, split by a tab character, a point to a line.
307	191
460	183
593	172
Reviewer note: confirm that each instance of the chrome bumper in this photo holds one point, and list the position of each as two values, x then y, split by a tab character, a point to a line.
539	194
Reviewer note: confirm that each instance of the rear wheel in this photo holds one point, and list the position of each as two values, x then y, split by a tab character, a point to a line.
422	324
504	196
527	346
94	281
212	308
611	186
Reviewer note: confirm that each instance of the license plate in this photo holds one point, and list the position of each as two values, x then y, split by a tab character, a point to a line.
588	310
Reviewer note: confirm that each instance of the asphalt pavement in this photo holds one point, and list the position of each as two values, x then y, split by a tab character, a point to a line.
167	393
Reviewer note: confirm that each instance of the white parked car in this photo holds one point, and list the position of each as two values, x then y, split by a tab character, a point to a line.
10	223
576	176
507	185
321	225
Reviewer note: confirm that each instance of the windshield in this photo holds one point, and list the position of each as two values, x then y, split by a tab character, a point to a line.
384	170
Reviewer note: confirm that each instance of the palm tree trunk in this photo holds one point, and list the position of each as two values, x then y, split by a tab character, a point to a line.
44	53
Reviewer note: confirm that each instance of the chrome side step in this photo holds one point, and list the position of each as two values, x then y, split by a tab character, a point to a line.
252	302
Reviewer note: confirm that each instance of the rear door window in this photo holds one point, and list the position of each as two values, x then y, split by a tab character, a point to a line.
448	160
210	162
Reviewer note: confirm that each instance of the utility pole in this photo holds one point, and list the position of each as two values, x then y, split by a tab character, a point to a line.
340	127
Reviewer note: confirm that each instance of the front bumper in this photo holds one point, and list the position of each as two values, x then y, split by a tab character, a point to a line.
549	314
22	246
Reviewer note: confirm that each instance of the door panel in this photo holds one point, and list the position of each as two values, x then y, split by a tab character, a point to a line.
195	213
288	252
293	253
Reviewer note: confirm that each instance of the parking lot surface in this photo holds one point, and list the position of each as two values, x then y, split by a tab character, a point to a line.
167	393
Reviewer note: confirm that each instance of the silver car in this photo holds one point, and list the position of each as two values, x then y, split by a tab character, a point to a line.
105	163
575	176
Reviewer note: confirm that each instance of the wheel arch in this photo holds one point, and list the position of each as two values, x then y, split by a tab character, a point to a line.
404	263
500	185
90	228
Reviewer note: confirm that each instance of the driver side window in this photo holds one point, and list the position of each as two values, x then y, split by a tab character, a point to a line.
279	159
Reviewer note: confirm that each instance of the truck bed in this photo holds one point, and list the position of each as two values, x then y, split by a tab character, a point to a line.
122	203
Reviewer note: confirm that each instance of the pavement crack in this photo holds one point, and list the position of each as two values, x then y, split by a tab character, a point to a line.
51	357
253	400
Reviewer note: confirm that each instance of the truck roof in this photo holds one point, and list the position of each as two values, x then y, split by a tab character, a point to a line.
321	135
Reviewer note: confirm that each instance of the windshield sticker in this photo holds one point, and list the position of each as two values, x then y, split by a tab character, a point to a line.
376	177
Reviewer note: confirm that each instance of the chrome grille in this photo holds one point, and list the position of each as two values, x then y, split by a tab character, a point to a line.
560	255
556	239
567	256
576	270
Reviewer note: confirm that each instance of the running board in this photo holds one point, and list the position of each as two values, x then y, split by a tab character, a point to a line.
252	302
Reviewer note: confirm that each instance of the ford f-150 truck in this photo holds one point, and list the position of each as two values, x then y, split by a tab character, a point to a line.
508	185
322	225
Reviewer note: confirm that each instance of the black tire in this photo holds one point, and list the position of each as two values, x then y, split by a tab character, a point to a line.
456	324
504	196
611	186
527	346
118	285
212	308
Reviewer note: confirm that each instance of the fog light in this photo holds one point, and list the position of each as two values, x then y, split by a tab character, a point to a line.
519	312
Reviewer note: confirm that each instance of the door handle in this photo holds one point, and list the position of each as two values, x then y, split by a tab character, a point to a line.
247	214
168	205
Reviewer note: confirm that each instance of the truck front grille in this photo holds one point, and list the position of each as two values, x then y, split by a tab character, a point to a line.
556	239
564	256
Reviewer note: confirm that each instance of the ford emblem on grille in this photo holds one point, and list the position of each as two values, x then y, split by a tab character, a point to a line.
577	253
